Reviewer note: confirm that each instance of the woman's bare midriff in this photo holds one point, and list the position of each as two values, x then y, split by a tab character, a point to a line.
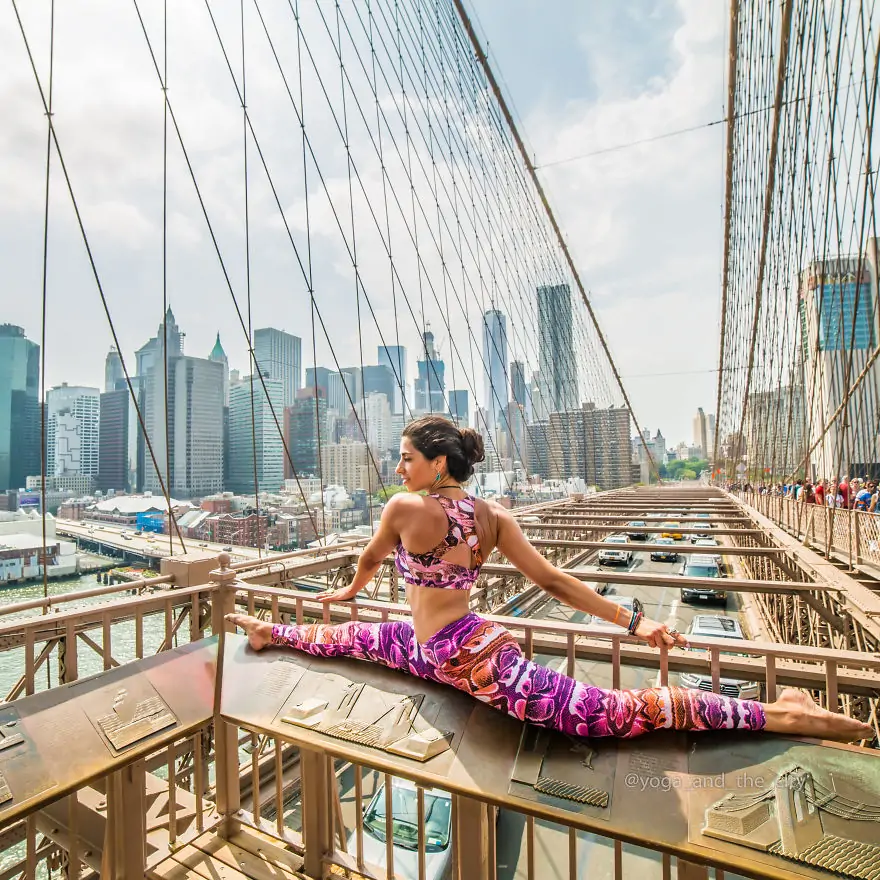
434	608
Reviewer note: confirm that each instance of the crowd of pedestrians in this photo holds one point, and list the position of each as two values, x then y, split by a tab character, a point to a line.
849	493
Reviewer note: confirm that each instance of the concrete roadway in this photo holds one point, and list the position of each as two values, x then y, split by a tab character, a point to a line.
152	547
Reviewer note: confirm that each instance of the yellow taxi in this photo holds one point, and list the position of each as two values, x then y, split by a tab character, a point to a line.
671	529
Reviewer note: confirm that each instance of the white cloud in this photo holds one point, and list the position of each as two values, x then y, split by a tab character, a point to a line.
644	223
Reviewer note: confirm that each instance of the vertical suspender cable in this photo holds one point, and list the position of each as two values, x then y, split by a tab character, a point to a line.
502	103
44	476
732	48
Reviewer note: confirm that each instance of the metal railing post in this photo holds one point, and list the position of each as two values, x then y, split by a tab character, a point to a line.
225	734
317	806
856	539
472	839
124	852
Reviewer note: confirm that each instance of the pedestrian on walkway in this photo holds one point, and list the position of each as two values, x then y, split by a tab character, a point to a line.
441	539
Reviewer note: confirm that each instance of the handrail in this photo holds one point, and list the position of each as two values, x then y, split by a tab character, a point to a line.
49	602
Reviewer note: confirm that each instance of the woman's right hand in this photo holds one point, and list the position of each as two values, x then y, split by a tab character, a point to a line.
343	594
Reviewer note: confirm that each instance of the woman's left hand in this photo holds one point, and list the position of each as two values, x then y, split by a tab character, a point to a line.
658	634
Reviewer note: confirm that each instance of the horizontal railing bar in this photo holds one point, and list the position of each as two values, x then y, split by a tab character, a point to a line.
54	626
642	530
49	602
625	518
638	547
372	610
637	579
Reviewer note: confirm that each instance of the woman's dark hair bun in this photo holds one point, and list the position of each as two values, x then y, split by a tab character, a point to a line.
435	435
472	445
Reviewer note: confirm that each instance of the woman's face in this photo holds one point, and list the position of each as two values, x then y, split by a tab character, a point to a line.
418	472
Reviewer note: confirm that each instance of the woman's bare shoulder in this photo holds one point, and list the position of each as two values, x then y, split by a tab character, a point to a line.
493	509
404	502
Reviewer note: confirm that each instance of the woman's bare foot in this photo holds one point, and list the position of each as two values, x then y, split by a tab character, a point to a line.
796	712
259	632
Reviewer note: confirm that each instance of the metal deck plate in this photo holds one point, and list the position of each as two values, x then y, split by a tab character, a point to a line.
787	801
23	774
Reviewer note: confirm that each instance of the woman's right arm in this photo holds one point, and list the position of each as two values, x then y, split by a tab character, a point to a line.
562	586
382	543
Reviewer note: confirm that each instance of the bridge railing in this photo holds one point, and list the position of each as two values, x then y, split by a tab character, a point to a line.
313	805
850	536
103	636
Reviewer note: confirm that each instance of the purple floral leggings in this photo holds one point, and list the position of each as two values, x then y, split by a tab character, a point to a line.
483	659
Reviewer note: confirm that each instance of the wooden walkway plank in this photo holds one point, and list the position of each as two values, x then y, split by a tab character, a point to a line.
253	864
248	856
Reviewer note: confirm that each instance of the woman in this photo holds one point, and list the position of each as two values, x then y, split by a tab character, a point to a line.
441	539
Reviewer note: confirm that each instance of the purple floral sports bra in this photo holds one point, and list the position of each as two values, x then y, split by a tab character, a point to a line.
431	569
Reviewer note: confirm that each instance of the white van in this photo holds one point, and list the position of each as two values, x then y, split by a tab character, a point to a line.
715	626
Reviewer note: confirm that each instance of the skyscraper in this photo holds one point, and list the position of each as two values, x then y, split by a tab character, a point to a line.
279	356
459	407
431	383
305	427
774	430
112	369
219	356
593	444
342	391
191	462
701	438
555	347
495	381
19	407
318	377
518	390
394	357
255	444
379	380
149	355
118	442
838	306
374	412
73	416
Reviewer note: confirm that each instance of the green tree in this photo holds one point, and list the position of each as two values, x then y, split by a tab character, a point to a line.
385	493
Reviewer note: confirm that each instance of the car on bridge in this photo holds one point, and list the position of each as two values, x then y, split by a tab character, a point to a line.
670	555
702	566
614	555
719	626
706	542
702	534
637	536
405	831
671	529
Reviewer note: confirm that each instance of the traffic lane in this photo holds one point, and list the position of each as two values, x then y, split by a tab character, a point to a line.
659	603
